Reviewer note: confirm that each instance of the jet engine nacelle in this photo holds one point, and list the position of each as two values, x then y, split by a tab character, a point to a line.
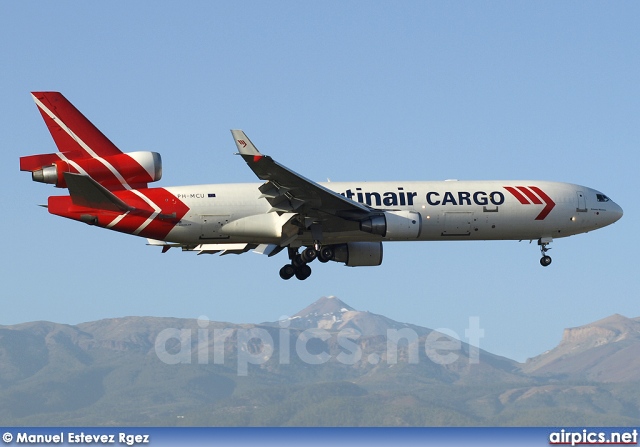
394	225
135	168
358	254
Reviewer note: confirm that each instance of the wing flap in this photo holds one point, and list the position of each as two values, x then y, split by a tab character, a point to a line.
224	249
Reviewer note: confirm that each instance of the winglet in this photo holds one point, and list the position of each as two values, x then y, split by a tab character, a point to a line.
244	144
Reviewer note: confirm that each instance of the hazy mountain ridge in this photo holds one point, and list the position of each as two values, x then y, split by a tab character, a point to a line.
115	371
606	350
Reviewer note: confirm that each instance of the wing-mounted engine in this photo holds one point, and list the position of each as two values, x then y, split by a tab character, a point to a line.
133	169
394	225
358	254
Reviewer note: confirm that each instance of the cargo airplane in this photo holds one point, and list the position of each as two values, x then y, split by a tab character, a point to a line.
345	222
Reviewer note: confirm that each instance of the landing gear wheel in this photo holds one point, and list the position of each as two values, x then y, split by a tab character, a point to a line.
544	248
298	266
309	254
303	272
297	261
287	271
545	261
326	254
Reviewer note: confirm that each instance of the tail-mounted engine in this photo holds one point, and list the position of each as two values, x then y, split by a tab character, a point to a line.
134	169
394	225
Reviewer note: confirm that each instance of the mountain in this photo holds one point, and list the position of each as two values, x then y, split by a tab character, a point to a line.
385	348
607	350
333	314
327	365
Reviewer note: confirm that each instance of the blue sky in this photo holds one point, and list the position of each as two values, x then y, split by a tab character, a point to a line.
343	90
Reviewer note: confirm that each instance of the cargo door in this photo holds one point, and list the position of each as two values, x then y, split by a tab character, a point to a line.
457	224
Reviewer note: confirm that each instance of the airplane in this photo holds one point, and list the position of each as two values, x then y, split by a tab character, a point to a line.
345	222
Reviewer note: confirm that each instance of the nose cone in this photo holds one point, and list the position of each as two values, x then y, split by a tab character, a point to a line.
606	210
615	212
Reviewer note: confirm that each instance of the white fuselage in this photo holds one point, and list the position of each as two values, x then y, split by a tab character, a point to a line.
446	210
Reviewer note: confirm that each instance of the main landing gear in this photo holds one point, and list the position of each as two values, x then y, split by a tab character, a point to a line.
299	261
545	260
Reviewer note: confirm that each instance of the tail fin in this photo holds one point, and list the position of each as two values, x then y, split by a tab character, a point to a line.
75	136
70	129
86	150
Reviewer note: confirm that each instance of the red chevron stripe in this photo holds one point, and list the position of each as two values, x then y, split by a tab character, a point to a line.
158	228
522	199
550	203
531	195
169	204
531	198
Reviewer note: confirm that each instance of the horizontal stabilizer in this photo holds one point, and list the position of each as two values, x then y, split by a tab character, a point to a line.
85	191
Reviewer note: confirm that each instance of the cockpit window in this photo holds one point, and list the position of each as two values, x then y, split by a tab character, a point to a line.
602	198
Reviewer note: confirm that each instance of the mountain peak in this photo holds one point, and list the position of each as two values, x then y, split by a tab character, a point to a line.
327	306
332	314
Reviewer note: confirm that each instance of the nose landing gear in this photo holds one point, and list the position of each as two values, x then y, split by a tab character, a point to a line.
545	260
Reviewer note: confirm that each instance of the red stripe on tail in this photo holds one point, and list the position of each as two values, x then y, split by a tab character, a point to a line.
70	117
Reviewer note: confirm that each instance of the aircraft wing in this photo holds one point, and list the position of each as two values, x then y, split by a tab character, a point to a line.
288	191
